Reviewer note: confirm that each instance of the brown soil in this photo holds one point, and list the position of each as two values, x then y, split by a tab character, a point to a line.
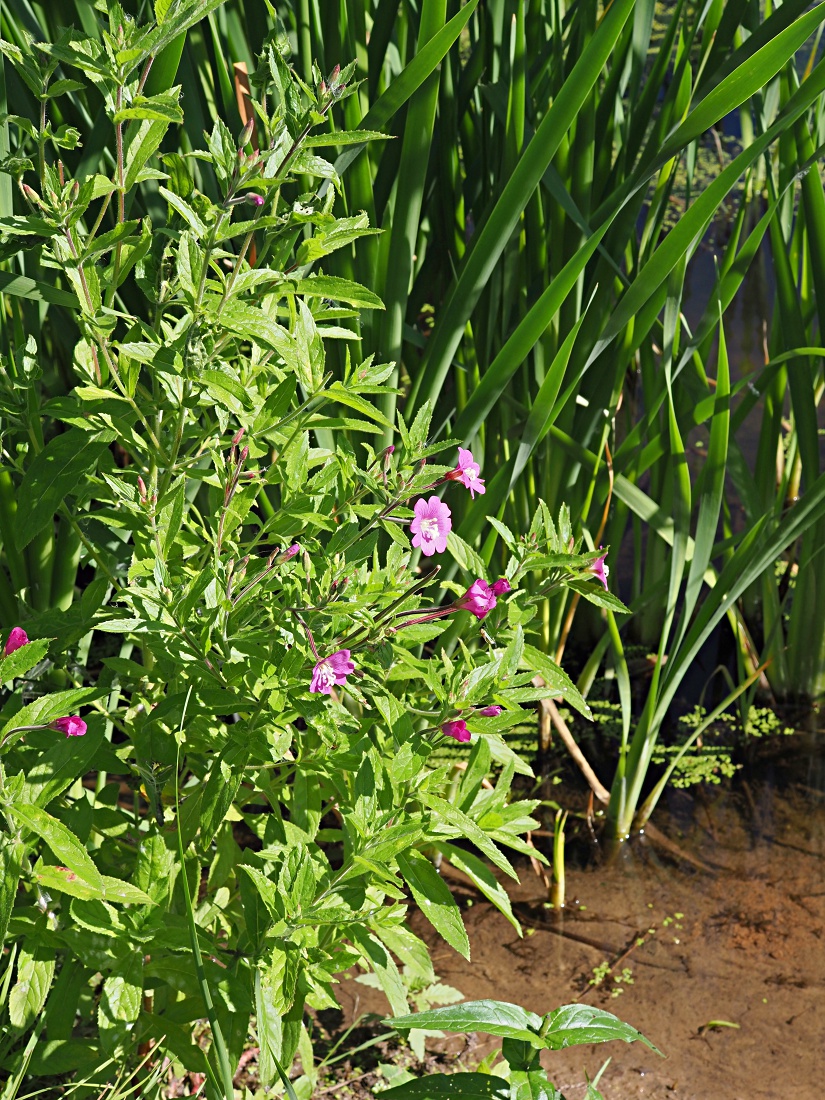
748	949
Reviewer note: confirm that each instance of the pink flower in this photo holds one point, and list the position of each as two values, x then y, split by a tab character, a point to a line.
431	525
457	730
290	552
467	472
72	726
479	599
600	570
500	587
17	639
254	200
490	712
332	672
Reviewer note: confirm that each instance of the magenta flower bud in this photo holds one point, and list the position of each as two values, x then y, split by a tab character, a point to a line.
254	200
501	586
479	599
431	525
17	639
290	552
457	730
492	711
72	726
332	671
390	450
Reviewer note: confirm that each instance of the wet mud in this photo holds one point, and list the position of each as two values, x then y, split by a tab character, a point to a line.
722	968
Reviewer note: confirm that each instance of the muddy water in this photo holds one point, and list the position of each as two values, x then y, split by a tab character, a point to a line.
739	943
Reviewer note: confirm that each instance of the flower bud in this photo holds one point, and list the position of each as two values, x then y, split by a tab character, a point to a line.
246	133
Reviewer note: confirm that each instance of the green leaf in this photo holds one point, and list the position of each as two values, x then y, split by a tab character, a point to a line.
491	239
163	107
60	765
461	1086
595	593
140	144
411	77
115	889
23	659
468	829
435	901
11	862
482	878
63	843
383	966
468	560
62	466
532	1084
489	1017
574	1025
61	878
35	970
555	678
339	290
21	287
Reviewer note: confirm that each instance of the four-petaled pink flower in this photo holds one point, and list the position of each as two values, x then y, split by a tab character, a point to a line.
501	587
493	711
479	599
331	672
457	730
17	639
71	725
467	472
431	525
600	570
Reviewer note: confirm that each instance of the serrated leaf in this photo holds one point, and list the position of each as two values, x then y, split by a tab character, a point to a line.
465	556
62	842
490	1017
574	1025
532	1085
61	878
339	290
35	970
555	678
435	901
595	593
483	879
461	1086
115	889
23	659
63	464
60	765
469	830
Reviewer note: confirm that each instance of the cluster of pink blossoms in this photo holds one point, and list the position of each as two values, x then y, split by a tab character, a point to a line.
430	527
71	725
432	523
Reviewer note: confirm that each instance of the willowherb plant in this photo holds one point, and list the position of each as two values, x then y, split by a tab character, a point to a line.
248	633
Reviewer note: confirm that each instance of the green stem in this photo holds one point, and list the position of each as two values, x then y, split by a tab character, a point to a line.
224	1066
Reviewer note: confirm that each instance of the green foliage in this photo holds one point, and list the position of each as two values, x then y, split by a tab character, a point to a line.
203	537
524	1036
